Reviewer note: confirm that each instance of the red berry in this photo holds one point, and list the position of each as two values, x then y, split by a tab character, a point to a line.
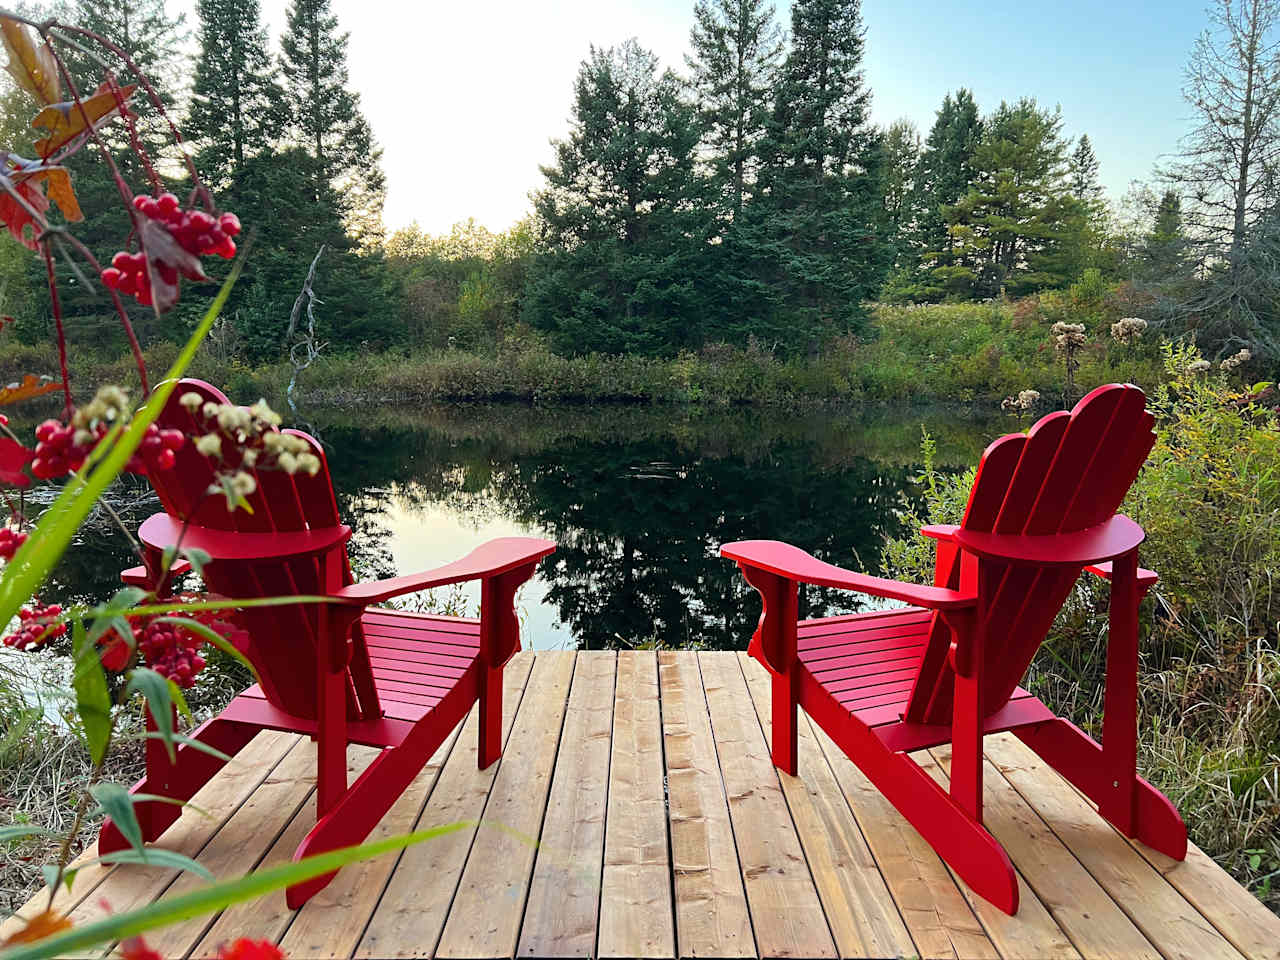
167	203
47	430
173	439
138	201
230	224
123	262
111	278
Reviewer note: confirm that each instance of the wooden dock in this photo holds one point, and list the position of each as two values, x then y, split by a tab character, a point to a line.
640	816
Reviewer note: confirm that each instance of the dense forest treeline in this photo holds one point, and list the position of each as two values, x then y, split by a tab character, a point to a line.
747	200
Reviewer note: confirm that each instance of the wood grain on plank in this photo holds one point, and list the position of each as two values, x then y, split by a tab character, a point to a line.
1173	925
484	920
636	913
932	906
244	840
711	904
863	917
1238	915
785	908
331	923
1032	932
415	904
1085	912
564	897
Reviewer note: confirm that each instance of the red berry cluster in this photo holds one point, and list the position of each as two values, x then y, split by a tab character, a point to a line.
61	448
170	651
36	626
10	541
196	231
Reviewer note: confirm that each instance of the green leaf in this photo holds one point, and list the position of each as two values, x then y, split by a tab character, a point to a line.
125	598
180	701
197	558
50	873
93	701
155	689
46	544
13	831
155	857
157	798
118	805
211	899
184	741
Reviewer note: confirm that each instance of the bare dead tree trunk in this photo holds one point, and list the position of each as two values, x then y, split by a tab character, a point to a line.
304	350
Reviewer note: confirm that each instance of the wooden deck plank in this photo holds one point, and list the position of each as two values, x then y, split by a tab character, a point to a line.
1237	914
1033	932
1172	924
863	917
636	911
415	904
331	923
1085	912
484	920
135	885
244	839
219	798
711	905
785	908
564	898
932	906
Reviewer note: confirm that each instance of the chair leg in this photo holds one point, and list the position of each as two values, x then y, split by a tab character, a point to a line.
490	708
785	732
1083	762
180	781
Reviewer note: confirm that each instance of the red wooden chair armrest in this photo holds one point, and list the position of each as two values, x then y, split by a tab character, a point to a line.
487	560
784	560
940	531
1109	539
138	576
161	530
1146	578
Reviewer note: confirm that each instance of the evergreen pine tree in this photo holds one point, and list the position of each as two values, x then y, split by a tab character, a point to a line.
1084	172
943	175
326	119
823	226
621	214
236	103
737	48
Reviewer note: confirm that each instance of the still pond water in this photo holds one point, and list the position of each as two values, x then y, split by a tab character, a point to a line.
638	499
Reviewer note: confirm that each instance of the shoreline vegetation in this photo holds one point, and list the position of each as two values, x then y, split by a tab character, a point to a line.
952	354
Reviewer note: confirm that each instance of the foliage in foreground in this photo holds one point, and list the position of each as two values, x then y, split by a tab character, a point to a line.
1209	499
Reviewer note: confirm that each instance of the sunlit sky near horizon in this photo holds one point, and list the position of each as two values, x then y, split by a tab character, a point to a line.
465	97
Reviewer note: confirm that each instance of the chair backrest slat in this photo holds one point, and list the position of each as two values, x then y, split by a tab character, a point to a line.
282	640
1073	471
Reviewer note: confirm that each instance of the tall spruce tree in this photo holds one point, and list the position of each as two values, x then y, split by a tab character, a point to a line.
1084	172
236	104
1008	230
326	119
944	174
621	214
737	49
824	214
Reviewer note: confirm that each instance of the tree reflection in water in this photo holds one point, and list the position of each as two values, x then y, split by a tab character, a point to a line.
638	499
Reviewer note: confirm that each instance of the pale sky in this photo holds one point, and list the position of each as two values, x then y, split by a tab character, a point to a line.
464	97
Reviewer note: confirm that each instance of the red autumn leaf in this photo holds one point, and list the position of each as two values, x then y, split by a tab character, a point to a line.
65	122
57	178
13	457
166	260
39	927
31	65
16	216
31	386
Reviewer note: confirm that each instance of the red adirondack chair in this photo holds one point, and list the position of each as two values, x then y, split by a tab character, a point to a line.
343	672
947	669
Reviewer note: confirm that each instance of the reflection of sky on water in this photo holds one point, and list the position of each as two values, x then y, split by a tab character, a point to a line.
424	537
